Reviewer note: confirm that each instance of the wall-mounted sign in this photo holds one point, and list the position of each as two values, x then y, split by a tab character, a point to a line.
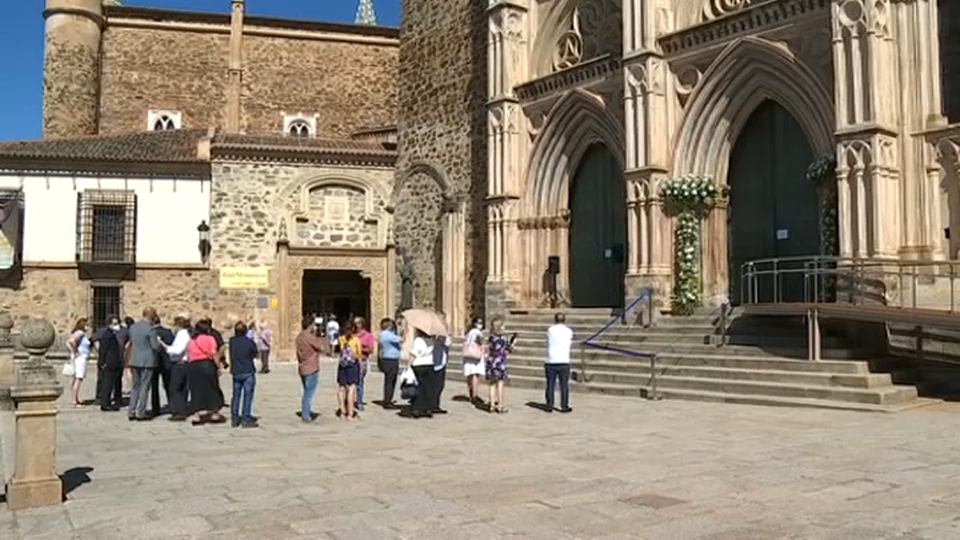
783	234
245	278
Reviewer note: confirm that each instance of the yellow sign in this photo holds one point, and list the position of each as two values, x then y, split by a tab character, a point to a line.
274	302
245	278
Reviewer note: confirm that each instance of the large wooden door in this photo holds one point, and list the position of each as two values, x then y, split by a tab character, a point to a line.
773	210
598	230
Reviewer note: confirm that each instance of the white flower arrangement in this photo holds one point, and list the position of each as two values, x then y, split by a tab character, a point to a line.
689	198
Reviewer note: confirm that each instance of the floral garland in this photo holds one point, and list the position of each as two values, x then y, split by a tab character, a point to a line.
689	198
822	172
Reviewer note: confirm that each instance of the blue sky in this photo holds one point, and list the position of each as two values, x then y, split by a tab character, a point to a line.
21	30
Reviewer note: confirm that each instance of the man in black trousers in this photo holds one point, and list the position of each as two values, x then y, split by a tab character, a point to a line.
162	370
110	372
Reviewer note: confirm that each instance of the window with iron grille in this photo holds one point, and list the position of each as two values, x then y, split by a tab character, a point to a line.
105	301
107	227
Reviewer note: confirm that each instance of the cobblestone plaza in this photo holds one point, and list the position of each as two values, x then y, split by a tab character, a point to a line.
616	468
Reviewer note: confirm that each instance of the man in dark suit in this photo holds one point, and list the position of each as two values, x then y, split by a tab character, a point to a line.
110	363
163	368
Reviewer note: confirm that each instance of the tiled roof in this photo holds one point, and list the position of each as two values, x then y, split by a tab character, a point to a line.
175	146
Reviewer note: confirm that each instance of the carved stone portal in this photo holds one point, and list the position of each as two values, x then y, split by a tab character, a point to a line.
372	264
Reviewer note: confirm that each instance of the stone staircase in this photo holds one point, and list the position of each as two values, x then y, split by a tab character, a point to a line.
763	361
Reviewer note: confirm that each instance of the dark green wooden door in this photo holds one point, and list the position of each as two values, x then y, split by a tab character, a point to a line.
773	208
598	231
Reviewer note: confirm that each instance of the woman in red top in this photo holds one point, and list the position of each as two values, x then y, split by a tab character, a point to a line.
203	371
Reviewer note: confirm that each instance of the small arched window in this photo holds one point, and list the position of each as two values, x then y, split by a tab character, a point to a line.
164	123
299	128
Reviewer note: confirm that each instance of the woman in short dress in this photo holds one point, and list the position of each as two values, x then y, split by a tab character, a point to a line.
79	345
348	372
498	351
474	365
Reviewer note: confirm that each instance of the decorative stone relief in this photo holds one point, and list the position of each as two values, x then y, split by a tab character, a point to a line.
569	50
647	78
686	78
849	17
718	8
336	216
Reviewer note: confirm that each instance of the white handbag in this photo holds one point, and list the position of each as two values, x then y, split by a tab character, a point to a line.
68	369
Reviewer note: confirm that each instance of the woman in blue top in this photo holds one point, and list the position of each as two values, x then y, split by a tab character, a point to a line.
388	360
79	345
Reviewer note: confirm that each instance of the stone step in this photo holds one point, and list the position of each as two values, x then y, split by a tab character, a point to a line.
637	371
636	333
694	348
644	391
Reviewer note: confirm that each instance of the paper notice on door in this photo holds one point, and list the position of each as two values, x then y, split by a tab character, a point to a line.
783	234
607	253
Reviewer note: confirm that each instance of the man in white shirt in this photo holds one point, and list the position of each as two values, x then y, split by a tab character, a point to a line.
559	343
333	334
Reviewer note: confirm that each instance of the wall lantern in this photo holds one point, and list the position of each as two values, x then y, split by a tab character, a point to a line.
203	231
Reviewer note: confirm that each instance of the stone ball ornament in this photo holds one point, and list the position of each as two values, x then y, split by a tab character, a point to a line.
6	321
37	334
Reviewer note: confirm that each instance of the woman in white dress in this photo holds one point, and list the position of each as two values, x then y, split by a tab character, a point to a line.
474	365
79	345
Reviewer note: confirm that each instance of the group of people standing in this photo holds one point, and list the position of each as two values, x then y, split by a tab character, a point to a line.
186	361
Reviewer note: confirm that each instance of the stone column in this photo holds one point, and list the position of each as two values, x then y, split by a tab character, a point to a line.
35	481
7	372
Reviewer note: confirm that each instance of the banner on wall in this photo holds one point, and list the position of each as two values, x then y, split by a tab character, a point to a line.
245	278
11	213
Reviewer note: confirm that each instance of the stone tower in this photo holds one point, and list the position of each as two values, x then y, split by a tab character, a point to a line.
365	13
71	74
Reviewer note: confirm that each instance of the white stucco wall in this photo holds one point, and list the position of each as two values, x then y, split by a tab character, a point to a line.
168	212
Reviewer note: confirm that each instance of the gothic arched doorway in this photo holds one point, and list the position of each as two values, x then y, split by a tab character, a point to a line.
773	210
598	230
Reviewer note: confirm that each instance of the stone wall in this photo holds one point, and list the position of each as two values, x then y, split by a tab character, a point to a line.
336	216
70	82
419	223
62	298
350	85
442	132
147	69
251	200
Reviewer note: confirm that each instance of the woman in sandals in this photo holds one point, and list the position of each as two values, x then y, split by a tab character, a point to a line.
474	366
79	346
348	372
203	374
498	351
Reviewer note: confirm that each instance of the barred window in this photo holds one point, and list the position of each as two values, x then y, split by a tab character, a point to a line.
105	301
106	227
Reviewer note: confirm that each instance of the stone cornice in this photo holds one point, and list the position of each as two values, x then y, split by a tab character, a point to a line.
858	131
297	250
747	21
95	17
506	4
326	156
599	68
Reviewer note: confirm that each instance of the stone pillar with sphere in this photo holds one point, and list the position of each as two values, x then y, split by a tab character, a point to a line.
35	392
8	374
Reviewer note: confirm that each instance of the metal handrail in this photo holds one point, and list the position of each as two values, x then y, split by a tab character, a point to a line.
647	294
814	269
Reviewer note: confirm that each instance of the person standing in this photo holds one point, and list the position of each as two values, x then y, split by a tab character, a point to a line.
243	353
499	351
308	365
557	367
206	399
124	334
162	373
179	368
123	343
368	345
474	365
264	344
441	349
110	362
388	360
348	373
421	361
143	340
333	333
79	345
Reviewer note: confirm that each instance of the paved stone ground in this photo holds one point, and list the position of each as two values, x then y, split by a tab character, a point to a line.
614	469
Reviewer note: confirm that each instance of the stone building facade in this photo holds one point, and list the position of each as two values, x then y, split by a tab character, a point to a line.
448	162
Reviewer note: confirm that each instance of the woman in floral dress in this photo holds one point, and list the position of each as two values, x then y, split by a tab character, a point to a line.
499	350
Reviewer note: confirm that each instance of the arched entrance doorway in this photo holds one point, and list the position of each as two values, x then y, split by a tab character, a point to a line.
598	230
773	211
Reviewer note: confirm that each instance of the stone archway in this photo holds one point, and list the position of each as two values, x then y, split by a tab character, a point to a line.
577	122
429	231
747	73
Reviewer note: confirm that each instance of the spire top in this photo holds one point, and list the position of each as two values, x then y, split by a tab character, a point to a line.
365	13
